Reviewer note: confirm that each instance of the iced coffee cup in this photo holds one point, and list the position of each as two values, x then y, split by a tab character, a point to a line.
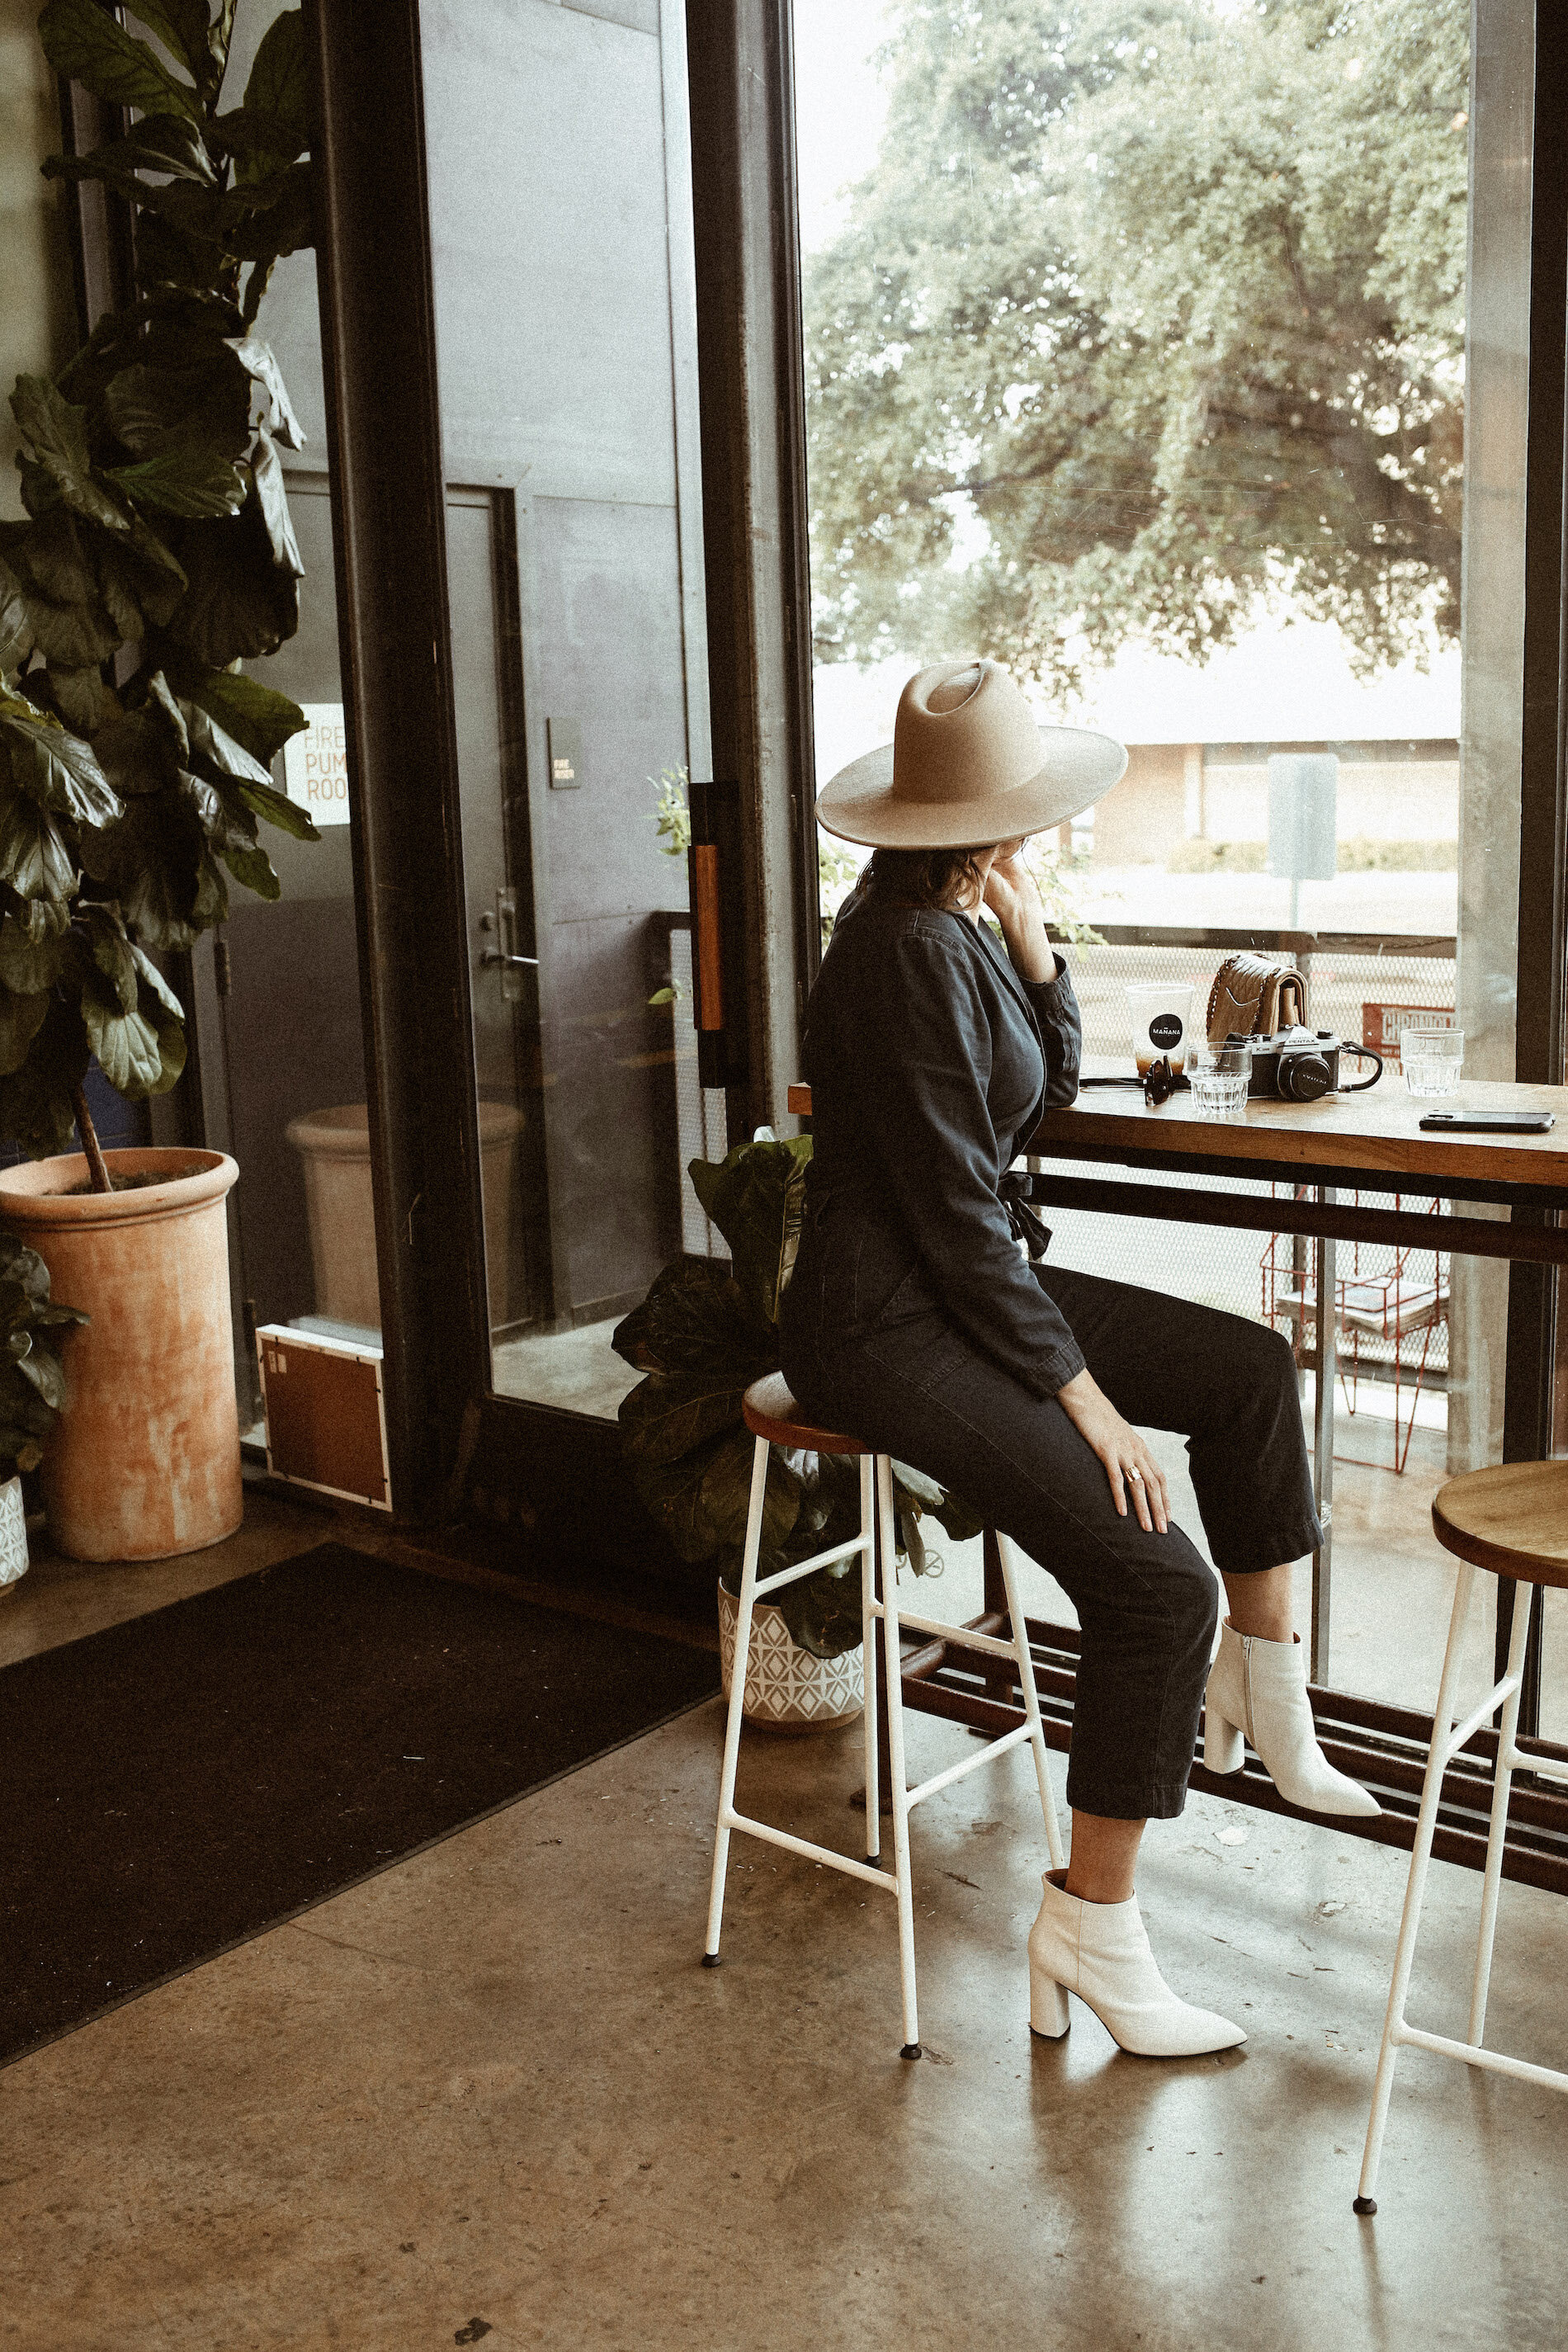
1162	1023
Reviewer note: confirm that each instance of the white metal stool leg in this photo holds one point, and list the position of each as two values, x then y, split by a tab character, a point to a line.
736	1698
876	1544
1448	1738
1030	1694
900	1792
1496	1833
868	1654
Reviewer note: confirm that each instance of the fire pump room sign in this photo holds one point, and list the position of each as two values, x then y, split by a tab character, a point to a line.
315	764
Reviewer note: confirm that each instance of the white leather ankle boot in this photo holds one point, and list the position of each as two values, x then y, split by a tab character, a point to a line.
1100	1951
1259	1687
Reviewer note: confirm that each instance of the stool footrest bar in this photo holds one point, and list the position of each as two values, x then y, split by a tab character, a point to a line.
766	1584
987	1755
809	1853
959	1635
1496	2061
1453	1740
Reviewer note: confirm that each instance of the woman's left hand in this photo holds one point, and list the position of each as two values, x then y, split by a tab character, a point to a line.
1012	899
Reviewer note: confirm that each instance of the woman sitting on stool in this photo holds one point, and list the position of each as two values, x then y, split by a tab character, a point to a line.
915	1318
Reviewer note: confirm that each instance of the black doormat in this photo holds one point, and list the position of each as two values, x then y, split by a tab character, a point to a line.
171	1786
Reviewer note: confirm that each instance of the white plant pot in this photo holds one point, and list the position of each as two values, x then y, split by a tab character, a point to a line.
786	1688
12	1536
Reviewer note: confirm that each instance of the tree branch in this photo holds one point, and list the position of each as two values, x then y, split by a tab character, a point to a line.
97	1167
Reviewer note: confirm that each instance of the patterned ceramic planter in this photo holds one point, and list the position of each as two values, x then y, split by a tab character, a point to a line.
12	1537
786	1685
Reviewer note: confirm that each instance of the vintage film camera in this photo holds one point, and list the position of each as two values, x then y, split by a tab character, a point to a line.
1300	1065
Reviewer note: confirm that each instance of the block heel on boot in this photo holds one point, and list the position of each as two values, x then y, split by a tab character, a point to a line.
1047	2007
1259	1688
1224	1750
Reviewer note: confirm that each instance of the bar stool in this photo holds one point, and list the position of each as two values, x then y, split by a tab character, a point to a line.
1513	1521
774	1418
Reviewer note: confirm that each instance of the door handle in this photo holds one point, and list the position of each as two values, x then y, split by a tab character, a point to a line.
512	965
714	868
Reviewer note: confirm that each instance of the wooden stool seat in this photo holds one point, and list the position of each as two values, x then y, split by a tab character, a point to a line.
769	1411
1512	1519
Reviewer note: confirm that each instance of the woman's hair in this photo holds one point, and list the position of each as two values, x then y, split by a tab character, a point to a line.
948	879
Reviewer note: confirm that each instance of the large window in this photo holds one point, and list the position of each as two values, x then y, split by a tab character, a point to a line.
1176	355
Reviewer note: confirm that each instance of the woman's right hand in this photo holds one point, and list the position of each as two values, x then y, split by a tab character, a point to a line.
1129	1465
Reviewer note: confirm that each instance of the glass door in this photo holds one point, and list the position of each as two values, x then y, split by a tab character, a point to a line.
565	338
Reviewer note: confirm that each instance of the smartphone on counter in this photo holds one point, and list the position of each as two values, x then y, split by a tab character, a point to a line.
1487	1122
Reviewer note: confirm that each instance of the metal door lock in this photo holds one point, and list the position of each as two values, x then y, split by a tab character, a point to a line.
512	966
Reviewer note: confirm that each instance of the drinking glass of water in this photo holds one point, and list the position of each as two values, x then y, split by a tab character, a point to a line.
1218	1076
1432	1060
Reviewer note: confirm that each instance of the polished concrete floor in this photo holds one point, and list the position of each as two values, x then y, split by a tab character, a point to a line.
490	2096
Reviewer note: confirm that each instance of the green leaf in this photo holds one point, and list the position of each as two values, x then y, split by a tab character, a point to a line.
21	1018
213	748
43	1373
823	1610
173	261
188	476
669	1412
181	27
83	702
279	83
58	770
700	1501
159	143
756	1197
264	219
260	363
278	810
140	578
148	406
52	555
262	142
36	1102
30	952
694	1320
238	605
257	716
272	496
56	434
35	856
21	1264
111	952
15	623
154	862
86	44
128	1047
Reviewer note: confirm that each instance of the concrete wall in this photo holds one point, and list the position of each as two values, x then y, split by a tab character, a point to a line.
37	298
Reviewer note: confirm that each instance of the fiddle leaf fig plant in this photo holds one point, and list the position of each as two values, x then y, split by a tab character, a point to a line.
32	1379
156	555
707	1330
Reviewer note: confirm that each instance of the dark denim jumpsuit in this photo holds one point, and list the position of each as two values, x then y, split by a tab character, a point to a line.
915	1322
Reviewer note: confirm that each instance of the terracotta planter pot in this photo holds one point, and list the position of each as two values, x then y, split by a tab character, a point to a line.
145	1461
334	1146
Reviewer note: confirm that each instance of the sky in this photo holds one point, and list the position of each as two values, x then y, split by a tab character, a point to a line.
839	106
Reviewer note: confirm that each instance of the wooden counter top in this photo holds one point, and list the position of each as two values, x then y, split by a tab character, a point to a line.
1378	1132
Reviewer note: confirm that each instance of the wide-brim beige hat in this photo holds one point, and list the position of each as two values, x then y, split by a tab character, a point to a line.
969	764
